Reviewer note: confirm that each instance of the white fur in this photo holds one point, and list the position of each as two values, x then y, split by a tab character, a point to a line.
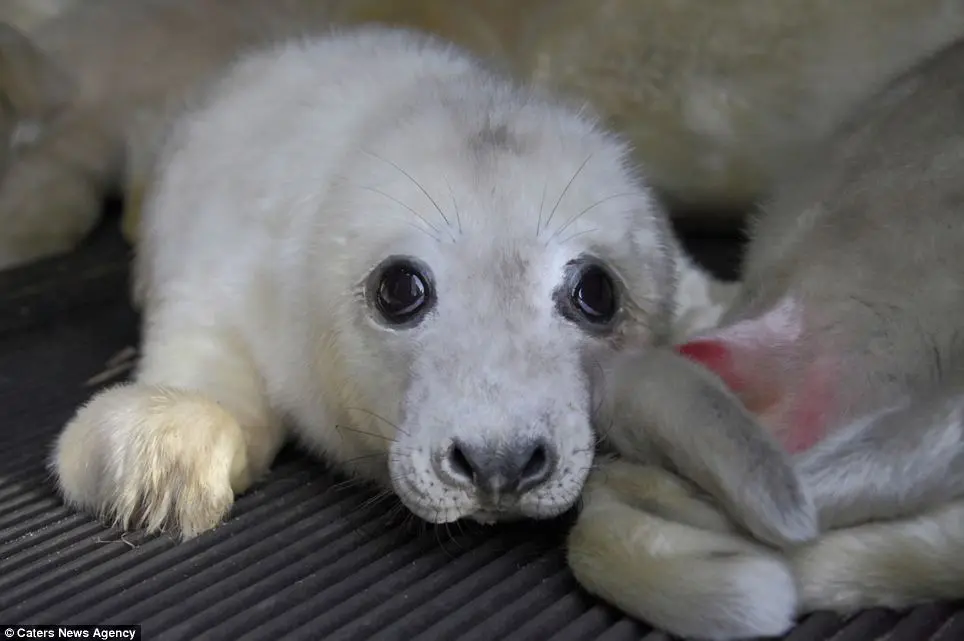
649	544
304	168
887	564
701	299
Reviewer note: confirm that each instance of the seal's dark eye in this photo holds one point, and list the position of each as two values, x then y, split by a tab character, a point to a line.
594	295
402	292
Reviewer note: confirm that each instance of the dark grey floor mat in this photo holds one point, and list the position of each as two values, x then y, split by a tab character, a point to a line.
301	557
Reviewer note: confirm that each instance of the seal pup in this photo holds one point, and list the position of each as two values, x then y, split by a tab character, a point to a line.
372	242
844	342
713	97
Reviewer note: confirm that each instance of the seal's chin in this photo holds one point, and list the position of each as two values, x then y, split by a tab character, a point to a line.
488	517
467	508
480	512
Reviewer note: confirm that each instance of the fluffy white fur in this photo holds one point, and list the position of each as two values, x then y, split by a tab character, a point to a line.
646	542
653	546
298	173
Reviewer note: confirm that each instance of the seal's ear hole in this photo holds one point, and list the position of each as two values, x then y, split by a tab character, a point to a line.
401	291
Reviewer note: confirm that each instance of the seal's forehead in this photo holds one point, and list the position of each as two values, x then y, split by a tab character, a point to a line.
511	177
551	190
505	262
495	138
501	193
504	163
512	222
509	286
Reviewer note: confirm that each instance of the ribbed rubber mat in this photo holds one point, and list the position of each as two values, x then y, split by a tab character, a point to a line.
302	556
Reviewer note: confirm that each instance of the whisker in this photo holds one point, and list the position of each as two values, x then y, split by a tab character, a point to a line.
424	231
395	516
441	543
355	459
396	200
406	521
372	434
455	206
379	417
347	484
372	502
353	481
452	538
572	237
600	381
542	204
585	211
564	191
360	529
417	184
438	539
378	498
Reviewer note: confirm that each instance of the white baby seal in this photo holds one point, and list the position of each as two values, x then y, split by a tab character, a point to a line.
413	264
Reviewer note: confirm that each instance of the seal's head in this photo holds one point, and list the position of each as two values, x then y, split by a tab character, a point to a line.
501	249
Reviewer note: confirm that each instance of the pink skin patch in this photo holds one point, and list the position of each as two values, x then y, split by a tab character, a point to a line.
810	410
715	356
725	359
799	420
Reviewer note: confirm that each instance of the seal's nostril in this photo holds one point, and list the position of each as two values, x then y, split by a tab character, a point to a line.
537	467
459	464
501	468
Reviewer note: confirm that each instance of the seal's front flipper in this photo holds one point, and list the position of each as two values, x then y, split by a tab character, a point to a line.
658	407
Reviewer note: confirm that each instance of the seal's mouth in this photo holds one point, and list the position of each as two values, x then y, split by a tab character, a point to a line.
457	506
466	505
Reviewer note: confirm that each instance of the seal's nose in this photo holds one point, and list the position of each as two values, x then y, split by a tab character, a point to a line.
506	468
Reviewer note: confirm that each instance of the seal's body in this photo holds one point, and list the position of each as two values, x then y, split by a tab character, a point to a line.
844	343
412	262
